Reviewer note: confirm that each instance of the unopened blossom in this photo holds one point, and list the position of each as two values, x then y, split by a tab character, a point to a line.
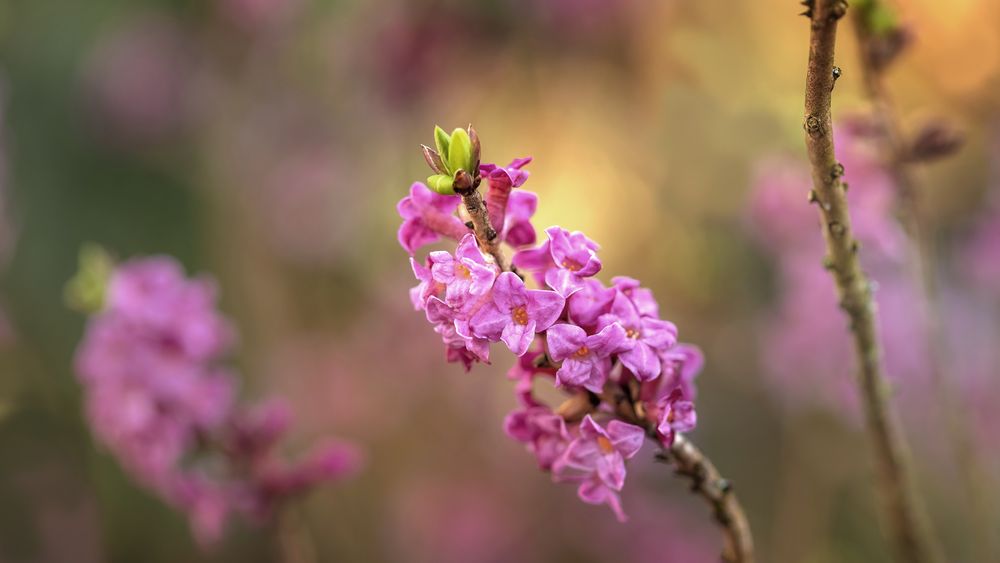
500	182
516	313
596	460
586	360
517	228
428	216
466	274
677	414
541	430
651	337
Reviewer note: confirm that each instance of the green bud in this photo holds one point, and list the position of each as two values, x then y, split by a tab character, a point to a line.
442	184
85	291
878	17
460	151
442	142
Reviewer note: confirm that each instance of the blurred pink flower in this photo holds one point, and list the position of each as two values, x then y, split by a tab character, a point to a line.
137	81
257	15
158	399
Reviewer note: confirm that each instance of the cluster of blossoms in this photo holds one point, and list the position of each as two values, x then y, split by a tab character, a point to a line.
158	398
604	346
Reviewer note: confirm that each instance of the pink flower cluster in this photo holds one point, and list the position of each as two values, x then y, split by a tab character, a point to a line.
159	399
590	340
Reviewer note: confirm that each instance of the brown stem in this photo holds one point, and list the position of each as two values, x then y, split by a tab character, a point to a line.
901	506
489	240
894	153
691	463
293	542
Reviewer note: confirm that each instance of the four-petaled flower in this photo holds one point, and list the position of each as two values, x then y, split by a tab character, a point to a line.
596	459
586	360
650	335
516	313
563	261
466	274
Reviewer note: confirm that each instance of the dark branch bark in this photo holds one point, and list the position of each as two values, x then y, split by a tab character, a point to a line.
489	240
706	482
902	509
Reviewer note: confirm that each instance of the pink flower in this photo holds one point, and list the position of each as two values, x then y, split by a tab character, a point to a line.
681	364
158	400
466	274
562	262
428	286
516	313
587	305
586	360
543	431
427	216
641	297
652	336
460	346
575	257
596	459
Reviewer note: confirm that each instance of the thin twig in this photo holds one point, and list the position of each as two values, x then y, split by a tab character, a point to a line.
894	152
489	240
902	508
706	482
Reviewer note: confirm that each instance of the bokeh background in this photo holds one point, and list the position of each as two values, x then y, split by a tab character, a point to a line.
266	142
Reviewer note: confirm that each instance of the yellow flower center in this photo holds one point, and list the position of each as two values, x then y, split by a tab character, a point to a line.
520	315
571	265
631	333
583	352
605	444
462	272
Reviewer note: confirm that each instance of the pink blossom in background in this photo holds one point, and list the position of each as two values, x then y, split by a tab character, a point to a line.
257	15
7	231
658	532
137	81
159	399
979	257
456	520
307	215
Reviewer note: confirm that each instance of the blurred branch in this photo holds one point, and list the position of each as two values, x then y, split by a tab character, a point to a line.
935	140
691	463
911	539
